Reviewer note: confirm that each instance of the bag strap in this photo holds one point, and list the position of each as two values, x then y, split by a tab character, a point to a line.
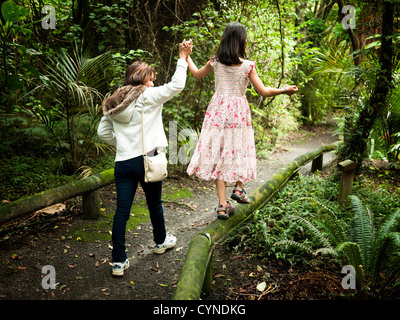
143	135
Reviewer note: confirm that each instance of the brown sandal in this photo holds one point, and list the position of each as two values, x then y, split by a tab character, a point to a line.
242	198
228	210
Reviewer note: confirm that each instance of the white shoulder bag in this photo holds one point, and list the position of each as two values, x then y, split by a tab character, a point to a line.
155	167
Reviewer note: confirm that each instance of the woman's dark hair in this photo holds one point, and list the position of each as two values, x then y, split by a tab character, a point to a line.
138	73
233	44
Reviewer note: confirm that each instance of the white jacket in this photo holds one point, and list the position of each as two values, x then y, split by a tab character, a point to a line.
124	130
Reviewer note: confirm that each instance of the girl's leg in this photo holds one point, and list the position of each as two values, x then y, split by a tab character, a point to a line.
221	192
239	194
239	185
126	187
225	209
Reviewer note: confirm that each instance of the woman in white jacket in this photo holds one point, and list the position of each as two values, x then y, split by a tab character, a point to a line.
121	126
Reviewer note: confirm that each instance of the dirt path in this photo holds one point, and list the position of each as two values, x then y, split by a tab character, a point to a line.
82	268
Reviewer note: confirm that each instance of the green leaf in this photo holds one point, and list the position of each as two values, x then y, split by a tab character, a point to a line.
12	12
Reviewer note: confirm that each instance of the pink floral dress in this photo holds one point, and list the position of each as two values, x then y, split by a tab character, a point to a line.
225	149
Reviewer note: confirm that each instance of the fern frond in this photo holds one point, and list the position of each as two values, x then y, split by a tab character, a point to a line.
392	276
326	252
314	232
323	206
381	254
390	224
351	251
352	256
362	229
296	245
337	229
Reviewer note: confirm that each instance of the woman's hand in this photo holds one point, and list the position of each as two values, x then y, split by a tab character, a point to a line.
185	49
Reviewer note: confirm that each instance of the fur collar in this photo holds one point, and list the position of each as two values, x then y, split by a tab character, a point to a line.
121	99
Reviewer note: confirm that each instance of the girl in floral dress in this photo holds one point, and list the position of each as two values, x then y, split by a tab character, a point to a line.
225	151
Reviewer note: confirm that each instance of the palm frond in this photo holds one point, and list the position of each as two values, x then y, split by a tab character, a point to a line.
330	60
394	111
65	66
91	70
69	95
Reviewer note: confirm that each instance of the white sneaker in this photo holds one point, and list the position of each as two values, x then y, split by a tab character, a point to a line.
169	242
118	268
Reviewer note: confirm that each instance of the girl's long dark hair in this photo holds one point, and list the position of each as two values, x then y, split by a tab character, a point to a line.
233	44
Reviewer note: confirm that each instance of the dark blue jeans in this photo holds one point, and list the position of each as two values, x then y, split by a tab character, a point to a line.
127	176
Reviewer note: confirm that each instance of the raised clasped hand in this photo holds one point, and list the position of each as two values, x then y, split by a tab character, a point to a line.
186	46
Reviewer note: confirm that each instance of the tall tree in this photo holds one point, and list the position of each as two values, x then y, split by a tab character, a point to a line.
356	138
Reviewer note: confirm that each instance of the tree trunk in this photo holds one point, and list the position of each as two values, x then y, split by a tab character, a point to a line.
47	198
355	146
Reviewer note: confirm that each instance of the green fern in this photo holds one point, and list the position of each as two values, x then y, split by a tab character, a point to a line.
386	247
351	255
296	245
362	229
314	231
375	255
336	229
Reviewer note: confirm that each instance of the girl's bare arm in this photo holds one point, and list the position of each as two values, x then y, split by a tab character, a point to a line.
199	73
267	91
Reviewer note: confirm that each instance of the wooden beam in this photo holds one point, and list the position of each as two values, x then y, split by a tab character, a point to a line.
348	169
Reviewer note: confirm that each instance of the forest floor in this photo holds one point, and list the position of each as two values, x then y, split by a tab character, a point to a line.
80	250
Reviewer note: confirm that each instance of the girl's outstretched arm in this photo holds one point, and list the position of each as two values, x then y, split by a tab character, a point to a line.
266	91
205	70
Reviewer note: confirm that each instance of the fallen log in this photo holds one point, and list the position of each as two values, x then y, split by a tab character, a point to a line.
192	275
29	204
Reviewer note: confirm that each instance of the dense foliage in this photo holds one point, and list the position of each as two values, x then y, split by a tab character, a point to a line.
54	77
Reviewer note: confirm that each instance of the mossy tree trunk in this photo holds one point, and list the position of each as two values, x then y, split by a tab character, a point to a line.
192	275
356	137
47	198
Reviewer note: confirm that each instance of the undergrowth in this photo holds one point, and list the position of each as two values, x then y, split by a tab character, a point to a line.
284	220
